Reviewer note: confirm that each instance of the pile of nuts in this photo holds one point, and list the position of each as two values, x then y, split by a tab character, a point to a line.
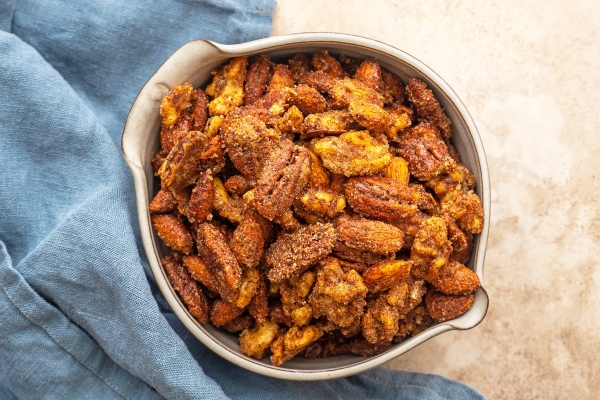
317	208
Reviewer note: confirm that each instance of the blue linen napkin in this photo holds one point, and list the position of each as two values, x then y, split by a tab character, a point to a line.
80	314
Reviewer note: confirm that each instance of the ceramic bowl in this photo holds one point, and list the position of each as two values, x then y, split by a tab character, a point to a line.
193	63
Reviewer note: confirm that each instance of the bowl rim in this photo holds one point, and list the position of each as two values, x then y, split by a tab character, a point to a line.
268	45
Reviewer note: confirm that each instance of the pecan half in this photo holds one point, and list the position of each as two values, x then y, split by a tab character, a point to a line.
425	152
455	278
284	175
428	108
299	65
307	99
163	202
248	243
294	252
171	230
201	201
220	260
248	142
322	61
257	78
383	199
190	157
443	307
188	289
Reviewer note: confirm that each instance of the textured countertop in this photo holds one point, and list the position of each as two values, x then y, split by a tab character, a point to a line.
528	73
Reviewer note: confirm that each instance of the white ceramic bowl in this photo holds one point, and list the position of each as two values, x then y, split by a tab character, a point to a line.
193	63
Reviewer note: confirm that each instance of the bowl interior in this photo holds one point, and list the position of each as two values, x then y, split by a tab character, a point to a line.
193	63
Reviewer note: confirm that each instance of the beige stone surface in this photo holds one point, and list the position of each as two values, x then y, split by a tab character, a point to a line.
527	70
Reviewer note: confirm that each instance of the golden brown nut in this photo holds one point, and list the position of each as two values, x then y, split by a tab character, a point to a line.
188	289
319	80
200	272
397	171
237	185
299	65
462	242
352	153
369	72
458	178
254	342
200	111
425	152
327	123
318	177
369	235
171	230
431	249
443	307
370	116
248	142
356	256
428	108
275	100
276	314
455	278
178	99
322	202
307	99
384	275
239	324
291	121
163	202
413	323
213	125
220	260
292	253
222	312
406	295
259	305
322	61
465	208
344	91
201	201
283	177
383	199
410	227
248	287
294	293
338	295
286	220
191	157
380	321
227	87
247	243
227	207
257	78
292	342
400	119
393	85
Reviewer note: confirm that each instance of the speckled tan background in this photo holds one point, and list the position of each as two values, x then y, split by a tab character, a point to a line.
528	71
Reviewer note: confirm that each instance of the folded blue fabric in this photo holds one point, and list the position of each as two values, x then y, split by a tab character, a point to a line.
80	315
